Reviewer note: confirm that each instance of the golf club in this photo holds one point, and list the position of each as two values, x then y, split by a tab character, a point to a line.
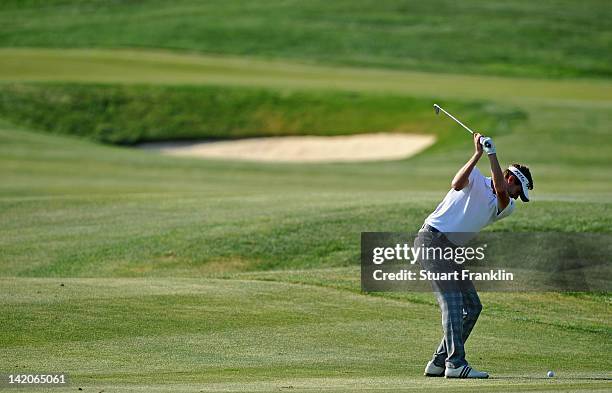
438	108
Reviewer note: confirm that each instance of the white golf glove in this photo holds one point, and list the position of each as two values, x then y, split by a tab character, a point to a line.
487	145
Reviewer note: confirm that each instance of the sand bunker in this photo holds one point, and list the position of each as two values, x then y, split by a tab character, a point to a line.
364	147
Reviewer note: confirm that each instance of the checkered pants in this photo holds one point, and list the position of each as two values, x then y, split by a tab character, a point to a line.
459	304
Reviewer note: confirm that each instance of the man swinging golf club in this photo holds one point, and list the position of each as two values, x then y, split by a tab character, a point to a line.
473	202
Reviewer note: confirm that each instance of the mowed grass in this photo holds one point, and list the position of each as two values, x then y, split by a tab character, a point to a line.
551	39
191	275
240	334
129	66
137	272
290	235
70	206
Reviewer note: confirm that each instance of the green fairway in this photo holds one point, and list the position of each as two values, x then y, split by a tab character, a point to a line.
147	67
265	326
551	38
133	271
240	334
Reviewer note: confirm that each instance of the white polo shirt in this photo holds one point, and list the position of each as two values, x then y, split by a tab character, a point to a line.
462	214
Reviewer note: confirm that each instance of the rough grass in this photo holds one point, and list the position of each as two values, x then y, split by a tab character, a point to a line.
127	114
550	38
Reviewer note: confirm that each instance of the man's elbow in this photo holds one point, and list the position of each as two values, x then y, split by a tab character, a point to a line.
457	186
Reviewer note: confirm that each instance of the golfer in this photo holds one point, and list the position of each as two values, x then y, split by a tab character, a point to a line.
473	202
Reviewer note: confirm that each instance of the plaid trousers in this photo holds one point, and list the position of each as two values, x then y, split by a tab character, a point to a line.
458	301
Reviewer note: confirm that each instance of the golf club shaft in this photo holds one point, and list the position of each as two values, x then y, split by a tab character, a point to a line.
455	119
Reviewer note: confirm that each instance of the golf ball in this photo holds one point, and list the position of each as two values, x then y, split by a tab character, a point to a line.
550	374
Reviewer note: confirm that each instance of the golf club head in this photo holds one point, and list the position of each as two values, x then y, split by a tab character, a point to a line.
437	108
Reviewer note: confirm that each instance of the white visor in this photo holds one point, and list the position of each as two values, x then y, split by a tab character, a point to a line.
524	183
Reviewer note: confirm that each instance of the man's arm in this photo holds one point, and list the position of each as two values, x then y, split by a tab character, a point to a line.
461	179
499	183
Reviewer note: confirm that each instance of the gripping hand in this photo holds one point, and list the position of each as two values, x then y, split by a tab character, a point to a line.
487	145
